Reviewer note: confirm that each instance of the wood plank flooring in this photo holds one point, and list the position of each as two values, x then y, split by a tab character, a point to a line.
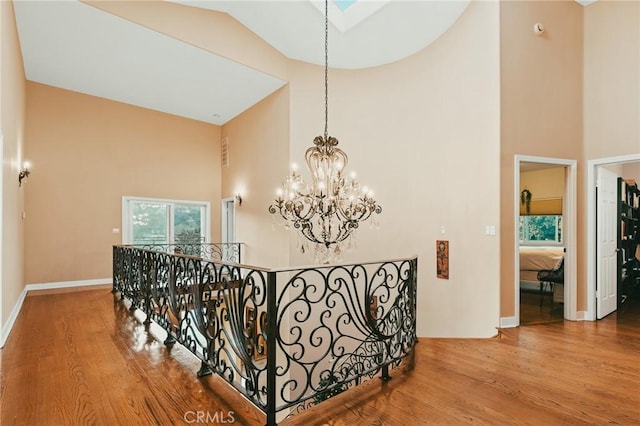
78	358
532	313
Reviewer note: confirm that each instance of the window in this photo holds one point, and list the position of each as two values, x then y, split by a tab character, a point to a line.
156	221
542	228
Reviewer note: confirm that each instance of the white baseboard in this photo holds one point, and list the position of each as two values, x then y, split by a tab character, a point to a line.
12	318
68	284
43	286
582	316
508	322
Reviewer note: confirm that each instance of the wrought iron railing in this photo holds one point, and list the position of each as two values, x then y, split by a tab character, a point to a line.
331	327
223	252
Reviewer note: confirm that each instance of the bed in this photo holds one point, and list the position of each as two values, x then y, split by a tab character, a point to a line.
534	259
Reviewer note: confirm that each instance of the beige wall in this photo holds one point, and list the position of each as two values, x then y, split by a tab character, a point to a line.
12	114
258	152
631	171
611	79
615	168
541	101
423	133
391	134
611	93
88	153
543	184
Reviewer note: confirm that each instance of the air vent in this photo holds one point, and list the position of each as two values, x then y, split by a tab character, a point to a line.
225	152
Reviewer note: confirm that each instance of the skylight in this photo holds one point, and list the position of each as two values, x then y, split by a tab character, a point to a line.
344	4
346	14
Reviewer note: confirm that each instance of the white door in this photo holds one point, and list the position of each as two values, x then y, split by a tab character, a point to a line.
228	221
228	229
606	251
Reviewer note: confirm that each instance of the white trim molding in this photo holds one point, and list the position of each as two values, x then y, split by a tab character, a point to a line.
68	284
508	322
569	225
13	316
582	316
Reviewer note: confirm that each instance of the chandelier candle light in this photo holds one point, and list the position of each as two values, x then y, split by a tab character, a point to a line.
328	210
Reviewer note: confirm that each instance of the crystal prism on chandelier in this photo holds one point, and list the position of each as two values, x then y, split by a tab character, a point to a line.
328	209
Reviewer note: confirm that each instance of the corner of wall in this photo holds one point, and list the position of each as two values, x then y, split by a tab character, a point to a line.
13	316
12	119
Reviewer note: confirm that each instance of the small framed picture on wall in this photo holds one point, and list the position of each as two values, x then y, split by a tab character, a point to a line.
442	259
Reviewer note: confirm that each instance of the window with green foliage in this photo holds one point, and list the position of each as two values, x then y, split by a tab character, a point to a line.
543	228
153	221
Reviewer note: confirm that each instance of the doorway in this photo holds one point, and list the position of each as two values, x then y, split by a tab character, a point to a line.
594	246
2	336
565	225
228	220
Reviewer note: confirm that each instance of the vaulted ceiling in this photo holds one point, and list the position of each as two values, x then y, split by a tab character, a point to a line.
75	46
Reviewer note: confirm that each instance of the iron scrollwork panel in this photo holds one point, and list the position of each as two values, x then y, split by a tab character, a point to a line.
232	315
220	252
336	325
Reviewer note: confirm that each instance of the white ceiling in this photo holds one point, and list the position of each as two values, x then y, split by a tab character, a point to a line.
74	46
77	47
367	34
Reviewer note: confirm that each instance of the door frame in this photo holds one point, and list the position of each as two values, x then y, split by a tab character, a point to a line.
2	329
606	229
224	217
569	231
591	314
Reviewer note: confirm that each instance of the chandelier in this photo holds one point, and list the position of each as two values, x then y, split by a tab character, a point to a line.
327	210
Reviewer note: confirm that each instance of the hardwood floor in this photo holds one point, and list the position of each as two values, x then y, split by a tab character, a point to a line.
79	358
532	313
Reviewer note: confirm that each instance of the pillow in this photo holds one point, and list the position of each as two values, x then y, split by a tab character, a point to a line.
558	264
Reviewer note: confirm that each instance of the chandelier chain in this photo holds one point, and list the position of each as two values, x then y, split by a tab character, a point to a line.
326	70
328	210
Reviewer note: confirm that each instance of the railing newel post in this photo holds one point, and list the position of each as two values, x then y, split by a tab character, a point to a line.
385	373
148	282
204	370
170	340
272	334
116	270
139	279
414	296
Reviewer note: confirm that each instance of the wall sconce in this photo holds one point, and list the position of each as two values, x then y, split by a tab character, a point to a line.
237	199
24	173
